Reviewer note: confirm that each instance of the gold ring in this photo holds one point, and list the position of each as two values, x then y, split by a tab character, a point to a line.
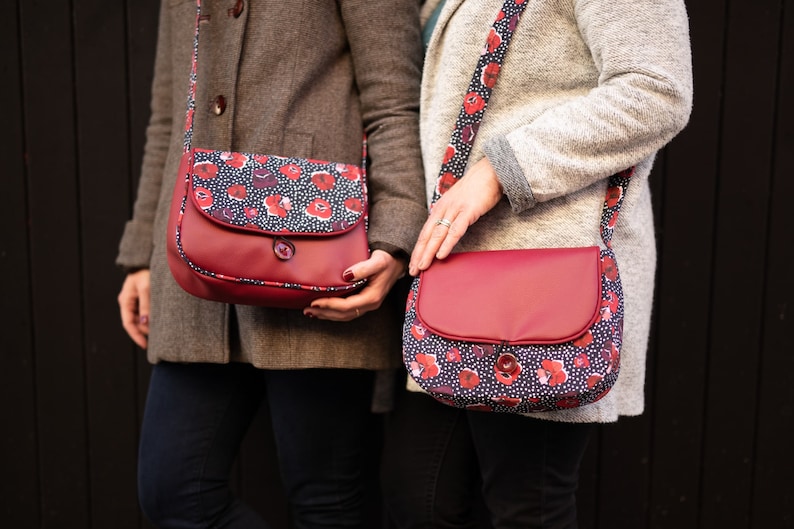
357	313
443	222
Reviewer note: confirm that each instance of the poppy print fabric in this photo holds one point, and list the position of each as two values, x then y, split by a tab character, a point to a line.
504	377
278	195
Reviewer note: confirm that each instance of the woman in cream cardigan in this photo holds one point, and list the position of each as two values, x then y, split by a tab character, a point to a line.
588	88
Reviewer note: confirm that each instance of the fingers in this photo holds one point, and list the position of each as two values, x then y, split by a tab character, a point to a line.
441	232
471	197
381	270
134	306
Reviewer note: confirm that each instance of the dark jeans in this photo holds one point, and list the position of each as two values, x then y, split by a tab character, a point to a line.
197	415
438	459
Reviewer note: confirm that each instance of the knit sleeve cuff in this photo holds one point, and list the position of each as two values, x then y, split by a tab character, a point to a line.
509	172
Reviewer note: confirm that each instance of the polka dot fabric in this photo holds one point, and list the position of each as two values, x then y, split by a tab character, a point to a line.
504	377
278	195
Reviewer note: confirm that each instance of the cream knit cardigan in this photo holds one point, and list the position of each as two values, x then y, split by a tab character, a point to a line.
588	88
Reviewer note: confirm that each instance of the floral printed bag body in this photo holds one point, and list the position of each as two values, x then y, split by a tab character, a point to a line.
515	331
261	229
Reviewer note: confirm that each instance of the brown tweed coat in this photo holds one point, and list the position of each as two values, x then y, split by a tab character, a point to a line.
297	79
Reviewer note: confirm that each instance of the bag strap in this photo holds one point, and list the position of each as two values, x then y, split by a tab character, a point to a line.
475	102
191	93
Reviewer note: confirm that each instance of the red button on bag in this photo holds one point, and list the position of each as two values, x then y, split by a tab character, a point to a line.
506	363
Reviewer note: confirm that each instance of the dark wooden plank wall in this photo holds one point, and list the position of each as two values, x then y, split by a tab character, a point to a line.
712	450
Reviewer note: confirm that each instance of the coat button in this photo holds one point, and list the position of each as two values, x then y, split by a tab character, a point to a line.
218	105
506	363
237	10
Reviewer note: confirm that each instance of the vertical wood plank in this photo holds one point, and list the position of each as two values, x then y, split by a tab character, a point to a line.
19	490
104	174
773	495
683	302
740	244
55	261
142	21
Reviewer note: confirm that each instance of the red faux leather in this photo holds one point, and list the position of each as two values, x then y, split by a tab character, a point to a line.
516	297
237	258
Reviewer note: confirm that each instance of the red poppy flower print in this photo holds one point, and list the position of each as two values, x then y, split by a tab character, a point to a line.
613	220
251	213
418	330
479	407
510	402
468	378
223	214
409	301
611	354
581	361
353	205
453	355
494	39
594	379
291	171
237	192
473	103
611	302
609	268
584	340
489	74
277	206
614	194
446	181
552	373
568	401
449	154
203	197
205	170
481	350
507	378
262	178
351	172
469	132
323	181
425	366
320	209
189	118
234	159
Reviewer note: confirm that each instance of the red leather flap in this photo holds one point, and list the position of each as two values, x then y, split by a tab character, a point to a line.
540	296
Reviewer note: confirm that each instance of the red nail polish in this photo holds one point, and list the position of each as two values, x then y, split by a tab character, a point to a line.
348	276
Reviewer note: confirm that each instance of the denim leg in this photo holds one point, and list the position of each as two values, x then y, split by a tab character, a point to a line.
429	469
320	417
530	469
196	416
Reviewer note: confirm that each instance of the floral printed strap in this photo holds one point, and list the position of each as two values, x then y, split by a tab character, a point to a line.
477	95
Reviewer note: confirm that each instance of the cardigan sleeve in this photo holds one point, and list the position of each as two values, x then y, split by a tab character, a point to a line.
135	248
643	98
386	47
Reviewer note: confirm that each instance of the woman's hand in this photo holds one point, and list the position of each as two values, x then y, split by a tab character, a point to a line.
134	304
470	198
382	270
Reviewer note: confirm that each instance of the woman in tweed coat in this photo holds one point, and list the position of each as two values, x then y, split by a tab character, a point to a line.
587	89
303	79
